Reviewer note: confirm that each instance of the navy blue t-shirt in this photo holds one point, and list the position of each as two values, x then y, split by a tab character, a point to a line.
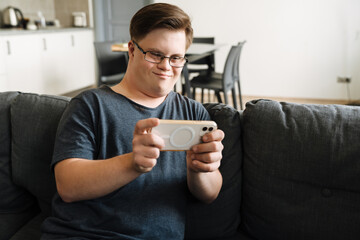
99	124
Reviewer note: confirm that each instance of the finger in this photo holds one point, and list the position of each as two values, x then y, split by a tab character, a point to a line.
217	135
142	151
143	126
199	166
151	140
214	146
145	166
207	157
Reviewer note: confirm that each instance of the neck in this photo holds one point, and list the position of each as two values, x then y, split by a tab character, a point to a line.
137	96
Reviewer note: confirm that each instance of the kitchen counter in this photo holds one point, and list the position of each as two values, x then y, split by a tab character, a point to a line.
8	31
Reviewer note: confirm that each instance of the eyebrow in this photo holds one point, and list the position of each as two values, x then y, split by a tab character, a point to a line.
162	53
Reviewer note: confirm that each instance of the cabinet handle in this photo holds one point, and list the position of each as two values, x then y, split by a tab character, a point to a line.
72	40
8	47
44	44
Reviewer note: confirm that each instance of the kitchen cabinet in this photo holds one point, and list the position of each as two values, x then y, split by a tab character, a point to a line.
3	83
80	70
22	63
47	63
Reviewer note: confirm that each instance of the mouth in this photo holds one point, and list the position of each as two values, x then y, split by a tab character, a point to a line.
163	75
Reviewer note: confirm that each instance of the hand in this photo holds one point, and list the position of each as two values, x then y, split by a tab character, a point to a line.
146	146
206	156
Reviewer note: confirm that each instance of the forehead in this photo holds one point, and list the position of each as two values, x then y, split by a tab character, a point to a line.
164	40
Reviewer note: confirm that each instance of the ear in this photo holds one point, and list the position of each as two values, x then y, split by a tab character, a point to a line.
131	48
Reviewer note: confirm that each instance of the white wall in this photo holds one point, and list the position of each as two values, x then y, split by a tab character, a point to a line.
295	48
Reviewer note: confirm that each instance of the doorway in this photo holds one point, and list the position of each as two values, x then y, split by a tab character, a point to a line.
112	18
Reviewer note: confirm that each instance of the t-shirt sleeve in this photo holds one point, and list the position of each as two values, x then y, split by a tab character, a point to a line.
76	133
201	112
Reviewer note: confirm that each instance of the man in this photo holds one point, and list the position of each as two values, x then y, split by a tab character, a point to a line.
112	180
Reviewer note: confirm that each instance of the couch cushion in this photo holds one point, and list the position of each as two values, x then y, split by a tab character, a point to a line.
220	219
34	123
17	206
301	171
31	230
13	198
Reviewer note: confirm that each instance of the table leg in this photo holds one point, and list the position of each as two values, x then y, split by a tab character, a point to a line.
187	81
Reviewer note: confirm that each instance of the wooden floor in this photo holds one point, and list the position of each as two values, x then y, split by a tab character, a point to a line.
212	98
246	99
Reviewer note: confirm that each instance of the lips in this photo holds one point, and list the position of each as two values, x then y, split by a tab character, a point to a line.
163	75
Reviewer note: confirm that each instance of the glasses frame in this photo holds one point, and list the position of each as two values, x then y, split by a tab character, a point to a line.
162	56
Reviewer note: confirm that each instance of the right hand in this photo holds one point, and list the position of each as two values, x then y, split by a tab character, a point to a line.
146	146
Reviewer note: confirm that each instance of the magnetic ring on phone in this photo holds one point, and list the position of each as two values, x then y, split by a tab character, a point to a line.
182	136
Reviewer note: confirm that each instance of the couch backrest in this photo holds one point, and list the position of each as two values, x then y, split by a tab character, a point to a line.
34	121
221	218
30	126
301	172
12	197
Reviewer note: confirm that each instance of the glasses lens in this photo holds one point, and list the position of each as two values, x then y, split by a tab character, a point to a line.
157	58
177	61
153	57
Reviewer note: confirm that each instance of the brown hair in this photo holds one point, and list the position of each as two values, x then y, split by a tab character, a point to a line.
160	15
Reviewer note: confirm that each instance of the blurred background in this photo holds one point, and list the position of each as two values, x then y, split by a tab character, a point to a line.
298	49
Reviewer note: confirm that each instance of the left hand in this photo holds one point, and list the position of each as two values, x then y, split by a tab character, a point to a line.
206	156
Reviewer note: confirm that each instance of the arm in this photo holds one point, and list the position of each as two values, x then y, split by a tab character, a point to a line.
203	161
82	179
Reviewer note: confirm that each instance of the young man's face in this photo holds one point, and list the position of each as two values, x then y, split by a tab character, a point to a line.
157	79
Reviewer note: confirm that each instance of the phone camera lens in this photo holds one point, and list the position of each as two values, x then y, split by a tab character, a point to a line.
210	129
204	129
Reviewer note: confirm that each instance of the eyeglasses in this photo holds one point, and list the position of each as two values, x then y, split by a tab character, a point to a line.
155	57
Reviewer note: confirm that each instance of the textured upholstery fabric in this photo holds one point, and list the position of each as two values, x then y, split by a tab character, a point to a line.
34	123
301	173
14	200
296	169
220	219
30	230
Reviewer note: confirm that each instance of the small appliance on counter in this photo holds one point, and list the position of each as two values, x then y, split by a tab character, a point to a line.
13	18
79	19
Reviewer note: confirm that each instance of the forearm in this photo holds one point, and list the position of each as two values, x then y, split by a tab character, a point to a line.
204	185
82	179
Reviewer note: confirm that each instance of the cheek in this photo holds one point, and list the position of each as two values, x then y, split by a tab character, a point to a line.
177	72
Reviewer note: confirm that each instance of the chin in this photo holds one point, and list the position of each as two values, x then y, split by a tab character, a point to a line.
162	92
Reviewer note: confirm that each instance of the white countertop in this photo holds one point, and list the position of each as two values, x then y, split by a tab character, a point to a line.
8	31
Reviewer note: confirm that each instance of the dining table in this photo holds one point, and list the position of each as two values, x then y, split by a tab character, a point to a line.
195	52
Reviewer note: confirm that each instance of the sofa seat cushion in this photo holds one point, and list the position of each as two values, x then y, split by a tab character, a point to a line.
221	218
30	230
301	171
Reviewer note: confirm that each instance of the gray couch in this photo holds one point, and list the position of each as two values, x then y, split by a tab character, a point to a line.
290	171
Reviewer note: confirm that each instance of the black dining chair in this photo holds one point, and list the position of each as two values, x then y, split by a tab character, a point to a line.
223	82
201	66
111	65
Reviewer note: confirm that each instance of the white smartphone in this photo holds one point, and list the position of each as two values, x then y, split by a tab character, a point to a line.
182	134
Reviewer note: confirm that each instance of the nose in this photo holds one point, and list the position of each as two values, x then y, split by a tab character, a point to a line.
165	64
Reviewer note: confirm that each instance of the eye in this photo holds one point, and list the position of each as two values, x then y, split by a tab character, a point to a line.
156	55
176	59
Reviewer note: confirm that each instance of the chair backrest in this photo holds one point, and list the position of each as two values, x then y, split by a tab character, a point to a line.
209	40
110	63
231	72
204	40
